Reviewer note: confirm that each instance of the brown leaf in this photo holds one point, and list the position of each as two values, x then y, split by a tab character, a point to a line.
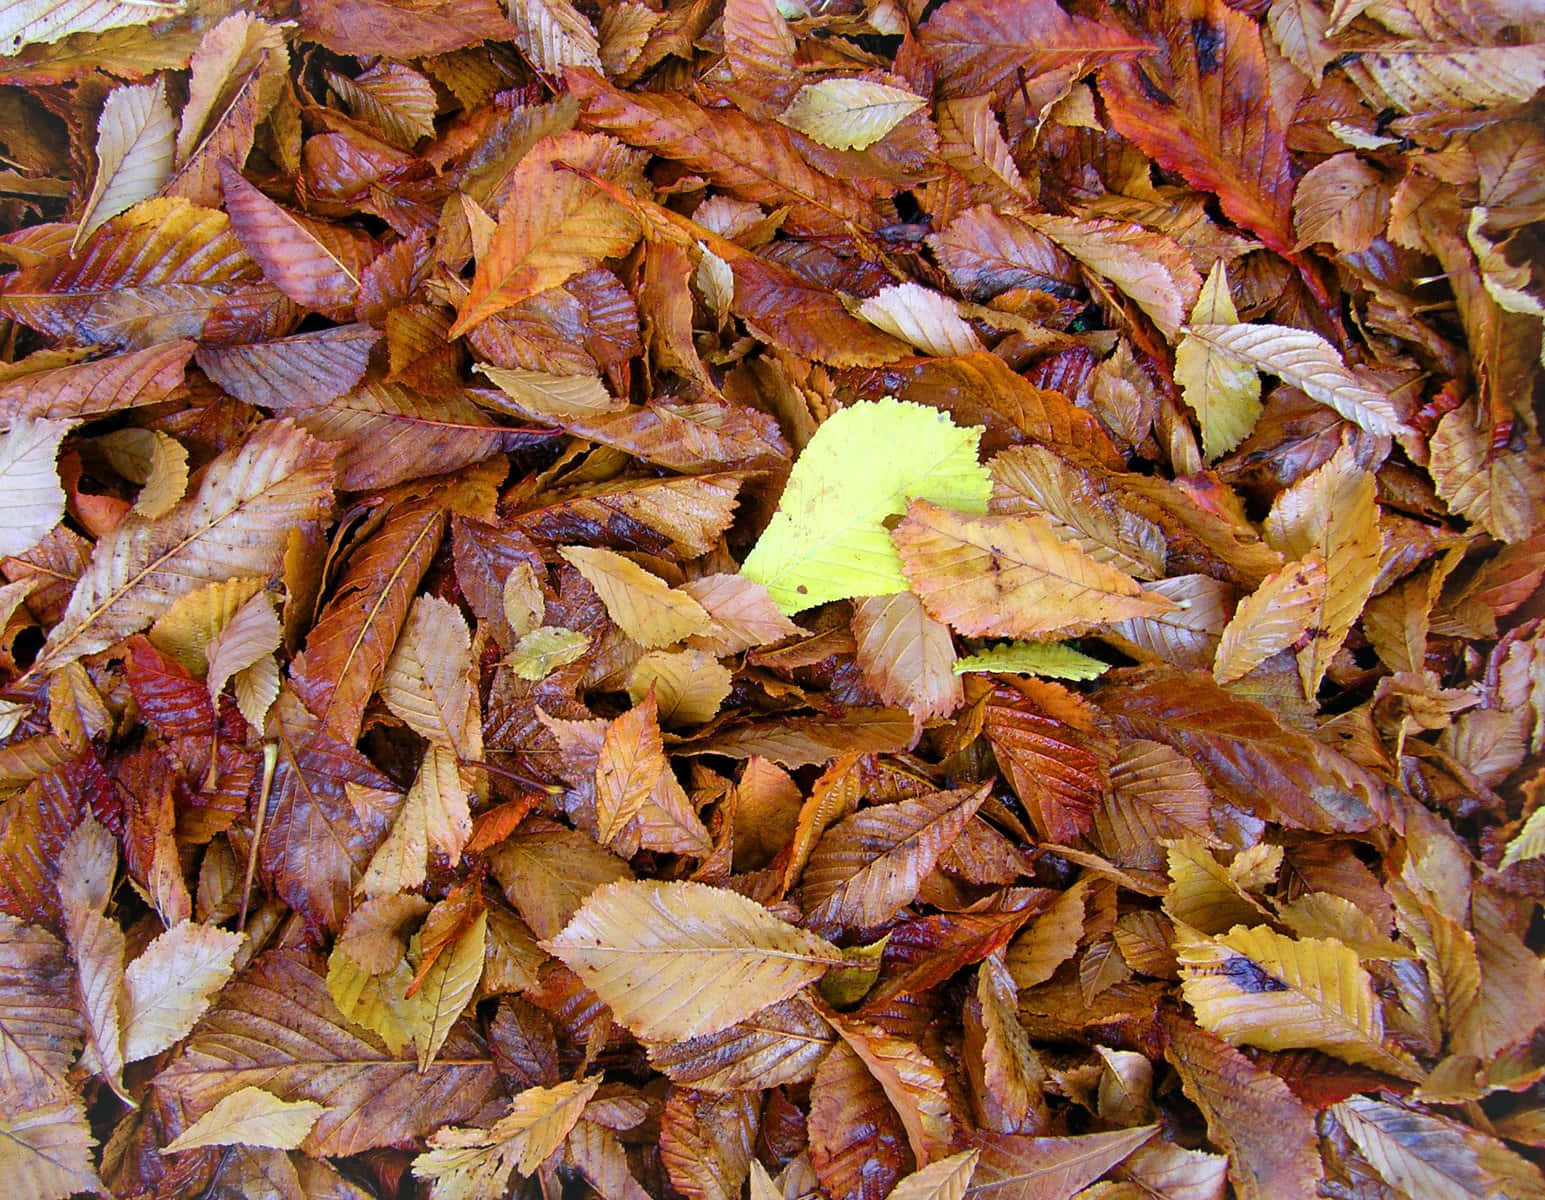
1244	752
277	1028
1011	576
868	866
346	651
1225	138
857	1144
1267	1131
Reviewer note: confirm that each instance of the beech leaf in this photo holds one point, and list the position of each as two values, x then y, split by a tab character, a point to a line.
250	1117
828	541
680	960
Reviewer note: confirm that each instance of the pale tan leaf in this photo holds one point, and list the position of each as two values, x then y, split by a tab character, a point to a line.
554	34
135	140
1425	1155
1272	618
227	52
679	960
250	636
1050	1168
447	988
1011	1071
906	655
521	600
23	22
375	934
645	607
152	459
1333	514
476	1164
87	866
392	97
1255	987
741	614
183	632
1078	501
921	317
555	396
1501	491
1308	362
1343	201
1223	392
547	875
849	114
429	679
250	1116
33	500
1011	576
1444	78
45	1149
689	685
167	988
1150	268
237	522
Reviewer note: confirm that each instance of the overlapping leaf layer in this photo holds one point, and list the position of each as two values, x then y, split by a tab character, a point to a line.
809	599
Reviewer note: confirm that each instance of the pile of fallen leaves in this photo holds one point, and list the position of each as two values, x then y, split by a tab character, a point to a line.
803	598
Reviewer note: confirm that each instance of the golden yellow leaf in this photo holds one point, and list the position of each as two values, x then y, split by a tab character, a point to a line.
150	458
1272	618
1224	392
678	960
250	1116
379	1002
689	685
555	224
1253	986
1332	513
183	632
644	606
447	988
1011	576
1202	893
476	1164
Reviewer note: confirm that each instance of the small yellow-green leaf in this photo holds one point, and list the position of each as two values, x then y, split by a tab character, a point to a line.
1054	660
